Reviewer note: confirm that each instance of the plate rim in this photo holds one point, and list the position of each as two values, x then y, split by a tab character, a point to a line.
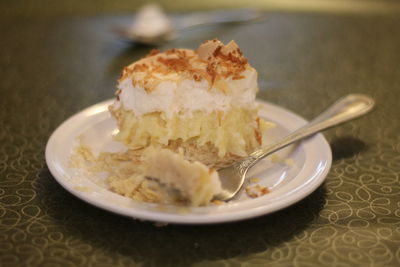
189	218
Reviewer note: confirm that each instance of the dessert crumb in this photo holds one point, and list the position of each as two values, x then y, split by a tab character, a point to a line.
289	162
254	180
256	190
275	158
217	202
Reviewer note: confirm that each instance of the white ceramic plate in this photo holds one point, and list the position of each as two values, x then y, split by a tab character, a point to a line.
301	170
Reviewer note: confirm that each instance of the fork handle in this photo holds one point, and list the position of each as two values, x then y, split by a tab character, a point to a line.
228	16
345	109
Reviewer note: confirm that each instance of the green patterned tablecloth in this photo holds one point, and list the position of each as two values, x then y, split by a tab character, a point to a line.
54	64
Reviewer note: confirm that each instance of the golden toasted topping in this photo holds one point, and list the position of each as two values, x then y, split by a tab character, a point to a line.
258	132
117	93
153	52
212	61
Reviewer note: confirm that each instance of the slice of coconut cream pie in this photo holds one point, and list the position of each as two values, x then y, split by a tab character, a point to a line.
201	101
183	113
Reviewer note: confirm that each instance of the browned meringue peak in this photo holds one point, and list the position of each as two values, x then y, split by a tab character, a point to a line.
207	49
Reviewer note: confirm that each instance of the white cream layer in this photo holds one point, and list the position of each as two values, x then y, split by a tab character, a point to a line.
185	96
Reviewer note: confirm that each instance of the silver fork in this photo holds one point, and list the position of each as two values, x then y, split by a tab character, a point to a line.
347	108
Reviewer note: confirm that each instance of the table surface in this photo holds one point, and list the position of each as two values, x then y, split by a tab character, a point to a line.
58	59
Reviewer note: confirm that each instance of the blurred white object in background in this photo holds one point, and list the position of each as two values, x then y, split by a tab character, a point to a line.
153	27
151	21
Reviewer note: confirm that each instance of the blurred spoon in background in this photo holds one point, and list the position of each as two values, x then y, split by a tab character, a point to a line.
152	26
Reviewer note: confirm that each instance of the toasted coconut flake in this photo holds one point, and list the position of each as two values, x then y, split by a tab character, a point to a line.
256	191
